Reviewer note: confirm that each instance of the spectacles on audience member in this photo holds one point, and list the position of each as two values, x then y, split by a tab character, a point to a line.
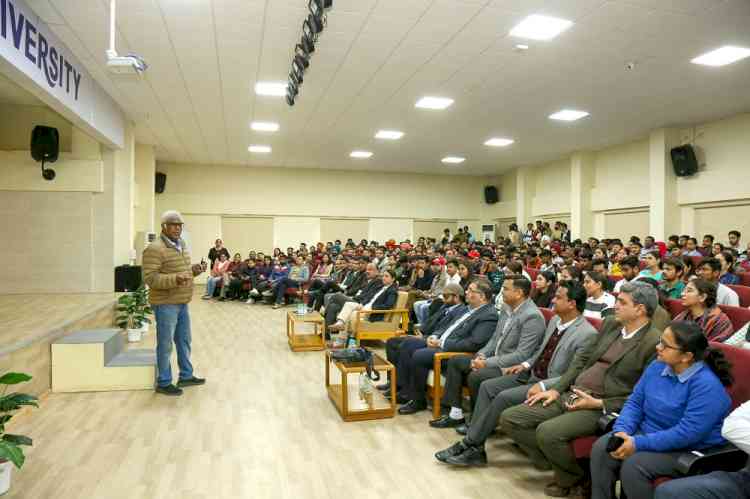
665	345
471	290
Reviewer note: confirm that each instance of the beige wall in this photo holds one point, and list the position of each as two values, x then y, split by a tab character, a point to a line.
621	177
18	121
144	202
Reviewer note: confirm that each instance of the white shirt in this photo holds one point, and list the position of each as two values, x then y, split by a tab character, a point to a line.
455	325
595	307
736	427
627	336
377	295
726	296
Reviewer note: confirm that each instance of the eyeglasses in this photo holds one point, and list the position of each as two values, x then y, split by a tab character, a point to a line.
471	290
665	345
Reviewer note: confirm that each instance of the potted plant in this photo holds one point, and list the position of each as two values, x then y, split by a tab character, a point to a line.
133	310
10	445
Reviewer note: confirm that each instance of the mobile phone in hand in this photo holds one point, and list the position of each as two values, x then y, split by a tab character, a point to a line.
614	443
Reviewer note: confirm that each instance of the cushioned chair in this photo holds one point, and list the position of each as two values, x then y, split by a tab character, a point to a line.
743	292
744	278
548	314
395	322
697	259
597	323
436	380
674	307
738	315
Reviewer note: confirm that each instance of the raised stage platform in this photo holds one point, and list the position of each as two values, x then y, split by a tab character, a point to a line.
30	323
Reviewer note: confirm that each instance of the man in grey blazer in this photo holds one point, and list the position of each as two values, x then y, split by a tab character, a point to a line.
568	333
520	329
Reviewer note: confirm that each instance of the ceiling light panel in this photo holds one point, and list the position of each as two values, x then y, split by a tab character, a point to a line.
360	154
568	115
434	103
271	88
389	134
536	27
264	126
722	56
498	142
453	159
259	149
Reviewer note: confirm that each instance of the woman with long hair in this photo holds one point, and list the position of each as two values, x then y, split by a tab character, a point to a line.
653	266
727	259
699	300
544	289
678	404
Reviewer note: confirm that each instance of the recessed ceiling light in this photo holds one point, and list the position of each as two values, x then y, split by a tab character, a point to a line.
259	149
522	46
722	56
538	27
453	159
360	154
389	134
498	142
568	115
434	102
272	88
264	126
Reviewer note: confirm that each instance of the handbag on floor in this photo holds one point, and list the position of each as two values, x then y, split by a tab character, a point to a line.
356	355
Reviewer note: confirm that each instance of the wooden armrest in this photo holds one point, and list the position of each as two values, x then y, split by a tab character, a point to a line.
391	311
447	355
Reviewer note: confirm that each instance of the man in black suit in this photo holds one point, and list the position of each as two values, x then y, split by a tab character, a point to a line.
361	294
468	333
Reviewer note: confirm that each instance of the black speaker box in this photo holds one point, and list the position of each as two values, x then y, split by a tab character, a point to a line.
683	161
128	278
490	194
45	144
160	182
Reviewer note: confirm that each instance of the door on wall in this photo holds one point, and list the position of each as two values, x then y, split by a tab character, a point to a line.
244	234
433	228
343	229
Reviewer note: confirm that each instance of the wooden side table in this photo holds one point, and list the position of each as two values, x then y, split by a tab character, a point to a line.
305	342
346	397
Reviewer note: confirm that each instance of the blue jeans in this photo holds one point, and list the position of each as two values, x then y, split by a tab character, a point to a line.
211	285
421	309
716	485
172	324
282	286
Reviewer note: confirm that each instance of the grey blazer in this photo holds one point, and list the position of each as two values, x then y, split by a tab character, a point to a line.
577	337
522	336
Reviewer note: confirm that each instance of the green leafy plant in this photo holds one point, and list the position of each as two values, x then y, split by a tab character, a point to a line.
10	445
133	309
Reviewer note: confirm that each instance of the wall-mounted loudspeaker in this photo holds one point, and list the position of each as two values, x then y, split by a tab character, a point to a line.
160	182
45	148
683	161
490	194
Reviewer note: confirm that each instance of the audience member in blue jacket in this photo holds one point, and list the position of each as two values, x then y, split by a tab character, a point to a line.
678	404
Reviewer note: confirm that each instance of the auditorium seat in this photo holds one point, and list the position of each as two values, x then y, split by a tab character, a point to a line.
738	315
548	314
532	273
674	307
743	292
744	278
696	260
597	323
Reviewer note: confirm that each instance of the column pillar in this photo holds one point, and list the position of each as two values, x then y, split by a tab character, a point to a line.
524	181
664	211
581	183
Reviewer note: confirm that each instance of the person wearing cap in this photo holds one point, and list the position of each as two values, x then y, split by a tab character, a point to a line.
440	279
169	275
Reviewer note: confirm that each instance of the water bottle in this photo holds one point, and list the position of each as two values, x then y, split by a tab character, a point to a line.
351	342
301	308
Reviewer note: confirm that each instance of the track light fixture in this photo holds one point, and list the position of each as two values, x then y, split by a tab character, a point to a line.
301	60
307	43
312	26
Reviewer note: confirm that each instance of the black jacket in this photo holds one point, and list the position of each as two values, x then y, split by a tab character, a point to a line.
386	301
368	291
360	280
473	333
438	322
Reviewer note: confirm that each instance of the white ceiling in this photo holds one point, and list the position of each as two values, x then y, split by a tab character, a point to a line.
377	57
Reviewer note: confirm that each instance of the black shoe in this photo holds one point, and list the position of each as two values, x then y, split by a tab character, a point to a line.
384	387
412	407
472	456
462	429
453	450
221	298
191	382
401	399
446	422
169	390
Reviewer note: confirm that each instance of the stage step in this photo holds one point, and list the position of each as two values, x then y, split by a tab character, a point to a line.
96	360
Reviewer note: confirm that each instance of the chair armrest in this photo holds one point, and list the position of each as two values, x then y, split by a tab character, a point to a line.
725	457
390	311
606	422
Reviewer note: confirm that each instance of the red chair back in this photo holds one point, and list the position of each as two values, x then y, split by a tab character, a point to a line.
597	323
548	314
740	360
696	260
532	273
674	307
642	264
615	278
743	292
738	315
744	278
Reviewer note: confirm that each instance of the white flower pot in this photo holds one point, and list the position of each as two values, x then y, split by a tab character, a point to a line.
135	335
6	467
144	327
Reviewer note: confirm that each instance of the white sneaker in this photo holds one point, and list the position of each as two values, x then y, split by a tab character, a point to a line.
267	293
254	292
206	297
250	301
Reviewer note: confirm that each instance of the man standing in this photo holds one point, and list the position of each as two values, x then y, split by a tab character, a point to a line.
167	271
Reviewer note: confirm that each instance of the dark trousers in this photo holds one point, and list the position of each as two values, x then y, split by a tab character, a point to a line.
284	284
392	351
317	291
235	288
496	395
334	306
459	373
635	473
716	485
415	360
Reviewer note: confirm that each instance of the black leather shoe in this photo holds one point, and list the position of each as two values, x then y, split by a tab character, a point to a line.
472	456
169	390
453	450
384	387
446	422
462	429
412	407
191	382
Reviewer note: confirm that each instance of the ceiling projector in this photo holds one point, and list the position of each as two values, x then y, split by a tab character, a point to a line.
127	65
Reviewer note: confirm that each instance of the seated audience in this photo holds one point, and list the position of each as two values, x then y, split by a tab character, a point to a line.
424	298
629	269
661	318
706	248
599	379
599	303
218	273
653	266
699	299
570	274
298	274
719	484
544	291
361	291
679	404
567	334
383	299
520	329
727	276
495	276
673	284
691	248
710	269
468	333
215	251
229	287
